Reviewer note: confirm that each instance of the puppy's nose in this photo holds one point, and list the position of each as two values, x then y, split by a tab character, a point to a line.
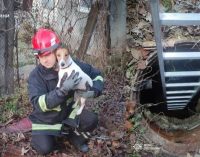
62	64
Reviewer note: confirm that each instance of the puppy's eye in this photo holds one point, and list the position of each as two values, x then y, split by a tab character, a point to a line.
58	55
66	55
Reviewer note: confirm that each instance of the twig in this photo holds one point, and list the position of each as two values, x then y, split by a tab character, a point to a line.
5	124
102	137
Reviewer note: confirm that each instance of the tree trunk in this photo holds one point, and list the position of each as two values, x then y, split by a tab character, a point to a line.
88	31
98	26
6	47
27	5
102	35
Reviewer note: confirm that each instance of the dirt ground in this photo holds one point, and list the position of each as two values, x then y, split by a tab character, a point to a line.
119	128
113	137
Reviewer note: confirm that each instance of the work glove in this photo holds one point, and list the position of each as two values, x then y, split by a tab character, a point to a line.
68	83
90	92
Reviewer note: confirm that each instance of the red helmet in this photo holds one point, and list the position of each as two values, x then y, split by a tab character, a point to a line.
44	42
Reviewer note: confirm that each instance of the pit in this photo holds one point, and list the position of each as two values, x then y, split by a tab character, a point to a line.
177	132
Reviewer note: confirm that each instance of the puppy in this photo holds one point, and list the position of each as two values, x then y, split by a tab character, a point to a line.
66	64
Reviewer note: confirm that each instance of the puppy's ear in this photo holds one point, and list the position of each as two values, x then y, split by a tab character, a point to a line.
56	67
66	46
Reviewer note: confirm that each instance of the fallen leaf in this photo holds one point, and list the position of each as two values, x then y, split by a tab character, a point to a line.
8	122
130	107
144	53
108	143
99	142
116	135
115	144
91	144
127	115
132	139
141	65
128	125
66	155
24	150
149	44
12	151
142	11
135	53
20	136
5	137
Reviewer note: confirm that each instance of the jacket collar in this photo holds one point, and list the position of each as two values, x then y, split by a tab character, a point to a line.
48	73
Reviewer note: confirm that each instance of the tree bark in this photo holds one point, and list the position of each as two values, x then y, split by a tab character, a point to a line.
98	26
27	5
6	47
88	31
102	35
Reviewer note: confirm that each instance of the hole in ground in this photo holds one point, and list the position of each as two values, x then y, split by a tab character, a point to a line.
176	131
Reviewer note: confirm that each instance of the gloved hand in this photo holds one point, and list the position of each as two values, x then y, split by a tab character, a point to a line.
88	93
68	83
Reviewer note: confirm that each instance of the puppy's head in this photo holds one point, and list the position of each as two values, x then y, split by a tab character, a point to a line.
63	57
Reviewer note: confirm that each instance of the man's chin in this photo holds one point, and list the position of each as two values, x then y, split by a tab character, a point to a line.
48	66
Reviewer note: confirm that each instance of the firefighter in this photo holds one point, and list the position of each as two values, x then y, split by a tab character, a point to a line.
52	105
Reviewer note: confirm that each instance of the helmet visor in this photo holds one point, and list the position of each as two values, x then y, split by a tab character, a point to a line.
45	52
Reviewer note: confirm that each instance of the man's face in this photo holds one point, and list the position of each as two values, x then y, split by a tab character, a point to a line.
48	60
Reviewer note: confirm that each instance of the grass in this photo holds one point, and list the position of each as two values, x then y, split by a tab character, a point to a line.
8	109
135	155
167	4
16	105
136	120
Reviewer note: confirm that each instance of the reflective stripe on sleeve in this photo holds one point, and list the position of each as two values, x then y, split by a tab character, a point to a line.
46	127
75	107
98	78
43	105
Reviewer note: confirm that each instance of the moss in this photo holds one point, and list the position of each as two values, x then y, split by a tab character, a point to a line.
167	4
16	105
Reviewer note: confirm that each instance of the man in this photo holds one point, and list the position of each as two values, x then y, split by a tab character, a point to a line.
51	105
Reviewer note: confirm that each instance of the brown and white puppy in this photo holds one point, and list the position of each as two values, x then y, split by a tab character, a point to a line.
66	64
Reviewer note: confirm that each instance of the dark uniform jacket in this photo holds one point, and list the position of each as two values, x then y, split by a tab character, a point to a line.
50	106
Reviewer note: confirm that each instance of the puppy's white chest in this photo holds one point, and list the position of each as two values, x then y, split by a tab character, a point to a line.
76	68
62	72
